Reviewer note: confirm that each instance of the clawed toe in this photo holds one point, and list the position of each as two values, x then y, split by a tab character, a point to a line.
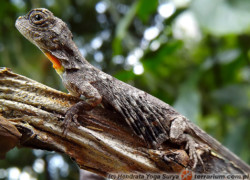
195	152
68	120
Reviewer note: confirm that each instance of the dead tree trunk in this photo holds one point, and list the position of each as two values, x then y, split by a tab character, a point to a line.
102	143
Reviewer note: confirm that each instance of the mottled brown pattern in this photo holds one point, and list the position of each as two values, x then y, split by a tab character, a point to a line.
151	119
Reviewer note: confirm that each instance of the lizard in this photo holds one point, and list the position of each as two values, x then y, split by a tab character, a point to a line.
149	118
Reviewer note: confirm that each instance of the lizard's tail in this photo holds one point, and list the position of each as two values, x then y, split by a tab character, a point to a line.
219	148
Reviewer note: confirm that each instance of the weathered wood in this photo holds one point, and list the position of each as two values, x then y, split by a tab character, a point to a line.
101	142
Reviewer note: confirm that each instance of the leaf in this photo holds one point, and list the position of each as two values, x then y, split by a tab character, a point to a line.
228	56
188	102
122	28
224	57
125	76
234	95
221	17
146	8
238	131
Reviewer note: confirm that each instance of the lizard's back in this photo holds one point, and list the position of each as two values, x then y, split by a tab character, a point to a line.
149	117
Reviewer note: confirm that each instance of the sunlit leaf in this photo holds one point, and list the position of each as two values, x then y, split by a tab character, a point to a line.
222	17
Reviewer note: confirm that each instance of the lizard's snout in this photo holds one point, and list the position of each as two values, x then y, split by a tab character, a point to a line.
18	23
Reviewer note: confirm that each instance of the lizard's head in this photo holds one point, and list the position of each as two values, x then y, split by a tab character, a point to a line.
48	33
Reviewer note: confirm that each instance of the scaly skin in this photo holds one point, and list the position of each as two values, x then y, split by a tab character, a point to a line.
150	118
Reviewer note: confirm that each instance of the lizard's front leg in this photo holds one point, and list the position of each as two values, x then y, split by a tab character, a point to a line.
92	99
180	133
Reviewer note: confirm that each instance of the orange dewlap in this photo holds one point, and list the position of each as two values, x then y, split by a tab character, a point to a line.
56	63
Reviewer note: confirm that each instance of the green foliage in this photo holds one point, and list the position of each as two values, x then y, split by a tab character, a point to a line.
194	56
146	9
224	16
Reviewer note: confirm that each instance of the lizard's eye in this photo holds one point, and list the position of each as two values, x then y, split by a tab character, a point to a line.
37	18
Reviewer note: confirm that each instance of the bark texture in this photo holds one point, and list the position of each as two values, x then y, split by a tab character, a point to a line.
101	142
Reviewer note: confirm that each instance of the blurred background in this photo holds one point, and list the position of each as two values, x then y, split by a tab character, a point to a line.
192	54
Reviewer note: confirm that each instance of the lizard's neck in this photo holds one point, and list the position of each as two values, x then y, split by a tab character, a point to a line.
67	57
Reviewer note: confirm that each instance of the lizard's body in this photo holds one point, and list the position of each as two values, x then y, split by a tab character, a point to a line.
150	118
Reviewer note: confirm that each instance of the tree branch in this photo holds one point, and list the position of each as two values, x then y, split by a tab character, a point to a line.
101	142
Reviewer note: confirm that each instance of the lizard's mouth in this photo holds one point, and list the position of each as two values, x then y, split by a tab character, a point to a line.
22	27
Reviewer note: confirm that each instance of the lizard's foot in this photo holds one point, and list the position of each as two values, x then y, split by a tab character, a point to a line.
195	151
179	134
70	116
